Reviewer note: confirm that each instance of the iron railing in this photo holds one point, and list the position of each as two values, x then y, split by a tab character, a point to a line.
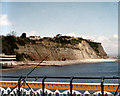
71	85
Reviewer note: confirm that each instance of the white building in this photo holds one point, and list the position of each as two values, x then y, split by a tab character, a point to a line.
7	60
34	37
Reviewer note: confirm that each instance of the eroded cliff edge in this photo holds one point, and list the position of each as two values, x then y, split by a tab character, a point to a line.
62	48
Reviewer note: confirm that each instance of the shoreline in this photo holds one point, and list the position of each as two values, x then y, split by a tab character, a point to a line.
73	62
29	64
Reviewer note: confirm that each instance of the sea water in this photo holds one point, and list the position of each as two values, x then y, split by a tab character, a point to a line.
108	69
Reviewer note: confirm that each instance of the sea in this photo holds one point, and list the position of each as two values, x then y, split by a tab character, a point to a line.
106	69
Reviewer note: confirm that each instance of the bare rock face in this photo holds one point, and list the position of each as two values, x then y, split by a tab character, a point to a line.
102	53
69	52
86	51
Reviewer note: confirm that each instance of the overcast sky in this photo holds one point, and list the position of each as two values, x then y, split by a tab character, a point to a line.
97	21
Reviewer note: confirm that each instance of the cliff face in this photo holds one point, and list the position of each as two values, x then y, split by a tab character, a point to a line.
59	48
81	50
102	53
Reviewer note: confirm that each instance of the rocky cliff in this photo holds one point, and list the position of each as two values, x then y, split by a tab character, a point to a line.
61	51
59	48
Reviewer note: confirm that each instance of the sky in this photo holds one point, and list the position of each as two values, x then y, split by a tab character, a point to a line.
91	20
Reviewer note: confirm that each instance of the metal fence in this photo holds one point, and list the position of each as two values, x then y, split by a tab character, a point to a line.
29	88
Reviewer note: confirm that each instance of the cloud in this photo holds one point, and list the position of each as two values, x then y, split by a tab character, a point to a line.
32	33
71	34
111	40
79	35
115	36
4	20
110	43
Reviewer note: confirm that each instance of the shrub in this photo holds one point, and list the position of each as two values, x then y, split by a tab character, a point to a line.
94	45
23	41
28	57
23	35
80	39
74	41
9	44
19	57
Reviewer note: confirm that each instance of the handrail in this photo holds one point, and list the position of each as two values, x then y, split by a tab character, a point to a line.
62	77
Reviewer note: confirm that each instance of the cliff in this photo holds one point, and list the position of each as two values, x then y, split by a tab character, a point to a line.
63	48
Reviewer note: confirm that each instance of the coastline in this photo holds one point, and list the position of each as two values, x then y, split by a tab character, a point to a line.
30	64
72	62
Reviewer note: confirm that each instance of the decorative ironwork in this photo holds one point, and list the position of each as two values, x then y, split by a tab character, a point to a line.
23	88
77	87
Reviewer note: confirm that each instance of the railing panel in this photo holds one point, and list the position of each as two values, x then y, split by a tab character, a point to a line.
36	88
63	86
58	88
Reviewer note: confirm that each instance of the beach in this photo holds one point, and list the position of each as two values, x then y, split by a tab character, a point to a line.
29	64
71	62
67	62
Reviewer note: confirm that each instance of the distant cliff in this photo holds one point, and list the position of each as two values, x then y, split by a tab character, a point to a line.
59	48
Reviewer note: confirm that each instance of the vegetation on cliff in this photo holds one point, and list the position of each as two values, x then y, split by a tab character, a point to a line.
94	45
11	43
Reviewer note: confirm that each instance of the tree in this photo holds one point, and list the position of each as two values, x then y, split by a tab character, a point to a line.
23	35
58	35
12	33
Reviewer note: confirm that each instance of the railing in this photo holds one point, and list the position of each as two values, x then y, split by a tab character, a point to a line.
46	88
